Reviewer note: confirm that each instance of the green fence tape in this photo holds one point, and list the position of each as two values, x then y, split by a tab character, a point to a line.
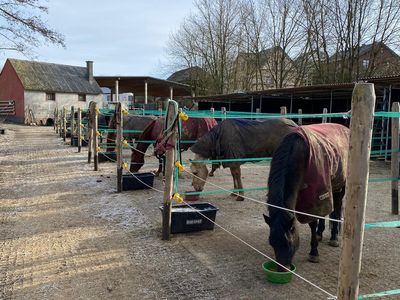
380	294
383	179
213	192
389	224
255	159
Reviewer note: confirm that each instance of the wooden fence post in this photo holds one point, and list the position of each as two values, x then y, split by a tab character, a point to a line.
324	118
79	137
362	108
60	127
283	110
95	137
72	122
64	124
300	120
169	168
55	120
118	144
91	114
395	159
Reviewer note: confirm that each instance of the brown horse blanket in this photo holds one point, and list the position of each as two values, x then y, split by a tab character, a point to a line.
326	168
243	138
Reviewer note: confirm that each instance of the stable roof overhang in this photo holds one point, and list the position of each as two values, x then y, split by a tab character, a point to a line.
136	84
306	92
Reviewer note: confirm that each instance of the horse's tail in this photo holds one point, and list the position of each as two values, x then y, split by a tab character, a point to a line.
287	171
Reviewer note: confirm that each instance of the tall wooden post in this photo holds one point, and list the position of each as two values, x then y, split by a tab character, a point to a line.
283	110
300	120
79	137
91	113
72	122
60	126
95	137
362	108
324	118
64	124
169	168
395	159
118	144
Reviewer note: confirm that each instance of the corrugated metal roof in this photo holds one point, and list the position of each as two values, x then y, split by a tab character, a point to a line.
49	77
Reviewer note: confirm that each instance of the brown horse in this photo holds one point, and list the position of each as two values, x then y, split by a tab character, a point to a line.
192	129
138	123
237	138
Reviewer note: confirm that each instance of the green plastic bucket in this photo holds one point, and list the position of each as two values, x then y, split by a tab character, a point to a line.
277	277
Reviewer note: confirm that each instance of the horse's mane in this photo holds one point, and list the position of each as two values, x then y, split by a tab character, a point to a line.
146	135
284	171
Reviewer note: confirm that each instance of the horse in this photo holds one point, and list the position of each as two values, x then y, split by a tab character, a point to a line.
237	138
192	129
129	122
308	174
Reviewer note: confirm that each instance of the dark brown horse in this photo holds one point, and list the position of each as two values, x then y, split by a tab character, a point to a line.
192	129
237	138
138	123
308	174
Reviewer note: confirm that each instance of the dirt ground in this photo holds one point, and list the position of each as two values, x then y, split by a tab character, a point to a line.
66	234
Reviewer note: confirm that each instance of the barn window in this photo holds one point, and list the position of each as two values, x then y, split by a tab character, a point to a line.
81	97
365	63
51	96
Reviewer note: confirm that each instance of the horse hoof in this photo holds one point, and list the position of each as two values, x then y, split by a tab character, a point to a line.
333	243
211	175
233	194
313	259
319	237
240	198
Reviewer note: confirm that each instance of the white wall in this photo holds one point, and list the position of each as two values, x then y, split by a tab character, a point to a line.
44	109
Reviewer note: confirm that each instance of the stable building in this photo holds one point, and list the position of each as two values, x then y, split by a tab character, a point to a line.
32	90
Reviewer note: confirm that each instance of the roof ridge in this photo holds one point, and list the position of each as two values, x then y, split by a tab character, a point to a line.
43	62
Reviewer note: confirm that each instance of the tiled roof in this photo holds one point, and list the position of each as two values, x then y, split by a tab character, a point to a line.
48	77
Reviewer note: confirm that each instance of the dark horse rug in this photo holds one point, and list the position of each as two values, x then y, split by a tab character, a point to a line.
242	138
326	168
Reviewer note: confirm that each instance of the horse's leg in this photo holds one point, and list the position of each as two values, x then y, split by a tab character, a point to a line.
236	174
234	181
313	256
336	214
320	229
214	167
160	166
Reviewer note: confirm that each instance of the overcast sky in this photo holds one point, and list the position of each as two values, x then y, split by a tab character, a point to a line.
122	37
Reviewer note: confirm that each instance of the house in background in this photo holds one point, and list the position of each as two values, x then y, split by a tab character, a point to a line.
196	77
378	60
38	88
266	69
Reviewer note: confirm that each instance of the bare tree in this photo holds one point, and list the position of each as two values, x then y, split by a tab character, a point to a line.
209	38
344	33
22	28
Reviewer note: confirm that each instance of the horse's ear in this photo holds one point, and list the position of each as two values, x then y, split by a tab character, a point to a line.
267	219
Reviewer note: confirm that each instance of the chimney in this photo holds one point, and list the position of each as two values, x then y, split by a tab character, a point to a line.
89	67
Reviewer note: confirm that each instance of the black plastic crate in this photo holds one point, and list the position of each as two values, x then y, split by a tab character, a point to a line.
185	218
138	182
108	156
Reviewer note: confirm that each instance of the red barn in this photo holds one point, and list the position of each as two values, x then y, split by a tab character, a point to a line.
36	88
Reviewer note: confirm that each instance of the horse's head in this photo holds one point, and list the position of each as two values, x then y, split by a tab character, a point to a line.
284	237
200	171
137	161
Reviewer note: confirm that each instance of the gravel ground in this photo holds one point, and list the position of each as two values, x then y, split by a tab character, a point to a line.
66	234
